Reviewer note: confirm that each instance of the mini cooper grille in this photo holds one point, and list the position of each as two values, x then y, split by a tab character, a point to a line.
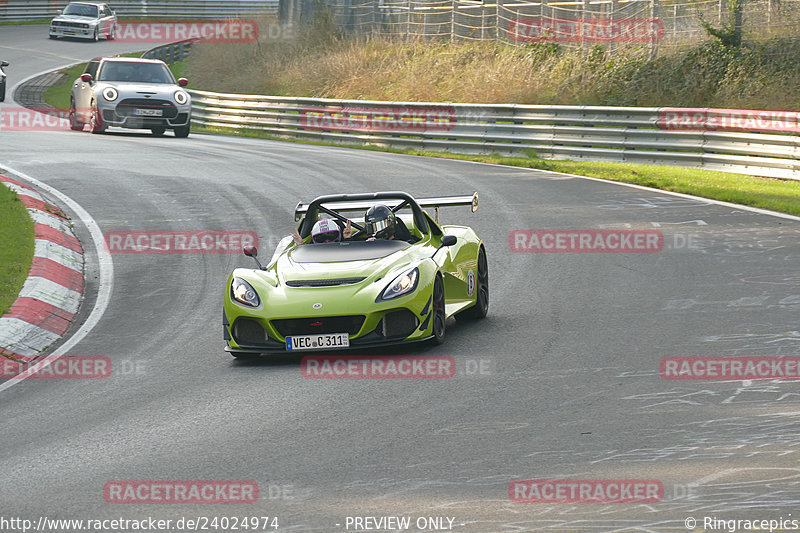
126	107
325	324
323	282
247	331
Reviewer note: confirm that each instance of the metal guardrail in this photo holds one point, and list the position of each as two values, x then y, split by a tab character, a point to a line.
170	53
630	135
13	10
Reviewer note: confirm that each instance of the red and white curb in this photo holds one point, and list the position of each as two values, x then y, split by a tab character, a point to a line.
51	295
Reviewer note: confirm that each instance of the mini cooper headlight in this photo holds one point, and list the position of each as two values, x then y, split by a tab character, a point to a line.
402	284
110	94
244	293
181	97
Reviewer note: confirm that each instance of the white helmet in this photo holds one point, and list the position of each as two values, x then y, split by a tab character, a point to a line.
326	230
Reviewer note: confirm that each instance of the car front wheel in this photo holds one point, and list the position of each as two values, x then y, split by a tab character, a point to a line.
158	131
96	124
74	123
481	307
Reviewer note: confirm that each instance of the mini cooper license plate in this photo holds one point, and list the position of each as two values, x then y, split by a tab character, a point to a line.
148	112
323	341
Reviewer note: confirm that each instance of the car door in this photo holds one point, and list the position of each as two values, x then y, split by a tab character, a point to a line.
103	20
111	19
82	91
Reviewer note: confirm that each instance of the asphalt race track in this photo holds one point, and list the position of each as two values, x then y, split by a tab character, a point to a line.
561	381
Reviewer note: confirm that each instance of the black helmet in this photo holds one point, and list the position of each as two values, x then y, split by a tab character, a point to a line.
380	221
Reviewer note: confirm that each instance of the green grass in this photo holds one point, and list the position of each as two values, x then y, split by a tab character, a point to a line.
16	247
773	194
58	95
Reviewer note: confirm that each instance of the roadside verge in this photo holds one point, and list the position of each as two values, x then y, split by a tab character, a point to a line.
52	293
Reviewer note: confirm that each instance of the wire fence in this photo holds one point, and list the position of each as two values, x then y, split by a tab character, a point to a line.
571	23
20	10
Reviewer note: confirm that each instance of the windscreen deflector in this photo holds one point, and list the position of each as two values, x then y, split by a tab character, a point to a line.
335	252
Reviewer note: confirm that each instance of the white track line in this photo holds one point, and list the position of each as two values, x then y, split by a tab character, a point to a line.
106	278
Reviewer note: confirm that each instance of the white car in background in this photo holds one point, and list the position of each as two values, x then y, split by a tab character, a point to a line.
86	20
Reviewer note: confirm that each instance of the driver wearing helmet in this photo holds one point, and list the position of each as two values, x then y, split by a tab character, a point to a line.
326	230
382	223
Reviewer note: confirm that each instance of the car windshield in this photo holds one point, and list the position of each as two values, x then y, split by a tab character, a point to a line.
135	72
81	10
335	252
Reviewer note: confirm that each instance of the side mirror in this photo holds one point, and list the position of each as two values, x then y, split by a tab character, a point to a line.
86	77
252	251
447	240
183	82
59	12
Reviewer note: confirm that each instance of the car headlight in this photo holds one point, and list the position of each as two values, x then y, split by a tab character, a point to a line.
244	293
402	284
84	25
181	97
110	94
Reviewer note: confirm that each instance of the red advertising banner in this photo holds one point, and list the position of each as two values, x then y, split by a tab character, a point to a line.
378	119
594	30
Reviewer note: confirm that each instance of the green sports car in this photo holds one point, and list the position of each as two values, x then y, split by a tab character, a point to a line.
391	274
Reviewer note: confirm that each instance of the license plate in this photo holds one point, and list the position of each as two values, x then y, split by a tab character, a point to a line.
323	341
148	112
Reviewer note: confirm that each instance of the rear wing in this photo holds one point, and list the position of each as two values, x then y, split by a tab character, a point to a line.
449	201
344	203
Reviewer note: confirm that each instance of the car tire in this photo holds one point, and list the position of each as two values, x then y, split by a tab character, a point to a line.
158	131
96	124
112	33
74	123
96	36
183	131
481	307
439	316
53	36
3	91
